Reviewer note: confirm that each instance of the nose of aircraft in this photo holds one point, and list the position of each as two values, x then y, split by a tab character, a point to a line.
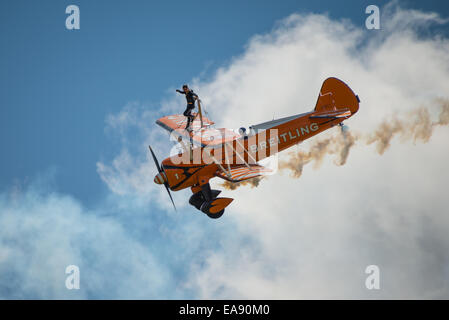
160	178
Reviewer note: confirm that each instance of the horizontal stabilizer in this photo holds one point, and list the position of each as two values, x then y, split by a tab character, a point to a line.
340	113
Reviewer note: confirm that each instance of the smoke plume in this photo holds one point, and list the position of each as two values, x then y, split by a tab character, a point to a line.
416	125
254	182
338	145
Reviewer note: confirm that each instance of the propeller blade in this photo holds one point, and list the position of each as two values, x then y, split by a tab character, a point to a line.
155	160
169	194
160	170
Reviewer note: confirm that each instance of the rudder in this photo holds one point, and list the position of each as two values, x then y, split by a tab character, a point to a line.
334	95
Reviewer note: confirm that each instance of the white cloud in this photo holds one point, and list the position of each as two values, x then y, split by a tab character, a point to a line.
125	249
45	233
315	236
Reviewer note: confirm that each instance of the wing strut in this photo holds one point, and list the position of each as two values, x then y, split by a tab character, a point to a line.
238	154
200	112
249	155
227	160
228	174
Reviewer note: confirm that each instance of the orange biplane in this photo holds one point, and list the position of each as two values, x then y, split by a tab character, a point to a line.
234	156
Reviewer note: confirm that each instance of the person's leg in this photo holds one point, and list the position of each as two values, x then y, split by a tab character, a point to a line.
188	114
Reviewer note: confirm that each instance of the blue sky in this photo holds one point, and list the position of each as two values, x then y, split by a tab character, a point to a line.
60	89
58	86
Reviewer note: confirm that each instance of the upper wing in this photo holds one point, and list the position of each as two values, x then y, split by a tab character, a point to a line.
201	136
210	137
240	173
179	122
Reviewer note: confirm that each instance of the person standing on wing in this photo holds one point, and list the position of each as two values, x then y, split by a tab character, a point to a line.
190	97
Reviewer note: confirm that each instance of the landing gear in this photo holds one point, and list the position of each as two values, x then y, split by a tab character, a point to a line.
206	201
198	199
206	206
343	127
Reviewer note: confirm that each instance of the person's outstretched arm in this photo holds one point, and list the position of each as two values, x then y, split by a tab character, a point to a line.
182	92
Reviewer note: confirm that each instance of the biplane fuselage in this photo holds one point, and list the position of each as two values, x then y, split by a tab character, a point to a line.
223	153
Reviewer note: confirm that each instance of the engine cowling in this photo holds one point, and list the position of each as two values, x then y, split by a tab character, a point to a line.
160	178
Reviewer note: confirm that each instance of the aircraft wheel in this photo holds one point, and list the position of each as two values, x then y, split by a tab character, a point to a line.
214	209
197	200
216	215
205	208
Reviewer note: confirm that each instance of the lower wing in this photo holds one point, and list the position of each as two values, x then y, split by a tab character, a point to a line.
241	173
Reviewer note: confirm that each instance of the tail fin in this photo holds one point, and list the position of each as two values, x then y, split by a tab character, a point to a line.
335	95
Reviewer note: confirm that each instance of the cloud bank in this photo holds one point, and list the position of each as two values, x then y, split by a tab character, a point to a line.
316	236
44	232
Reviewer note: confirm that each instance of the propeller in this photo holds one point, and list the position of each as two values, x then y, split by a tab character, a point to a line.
160	171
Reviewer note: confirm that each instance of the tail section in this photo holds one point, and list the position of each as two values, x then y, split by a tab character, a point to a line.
336	96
